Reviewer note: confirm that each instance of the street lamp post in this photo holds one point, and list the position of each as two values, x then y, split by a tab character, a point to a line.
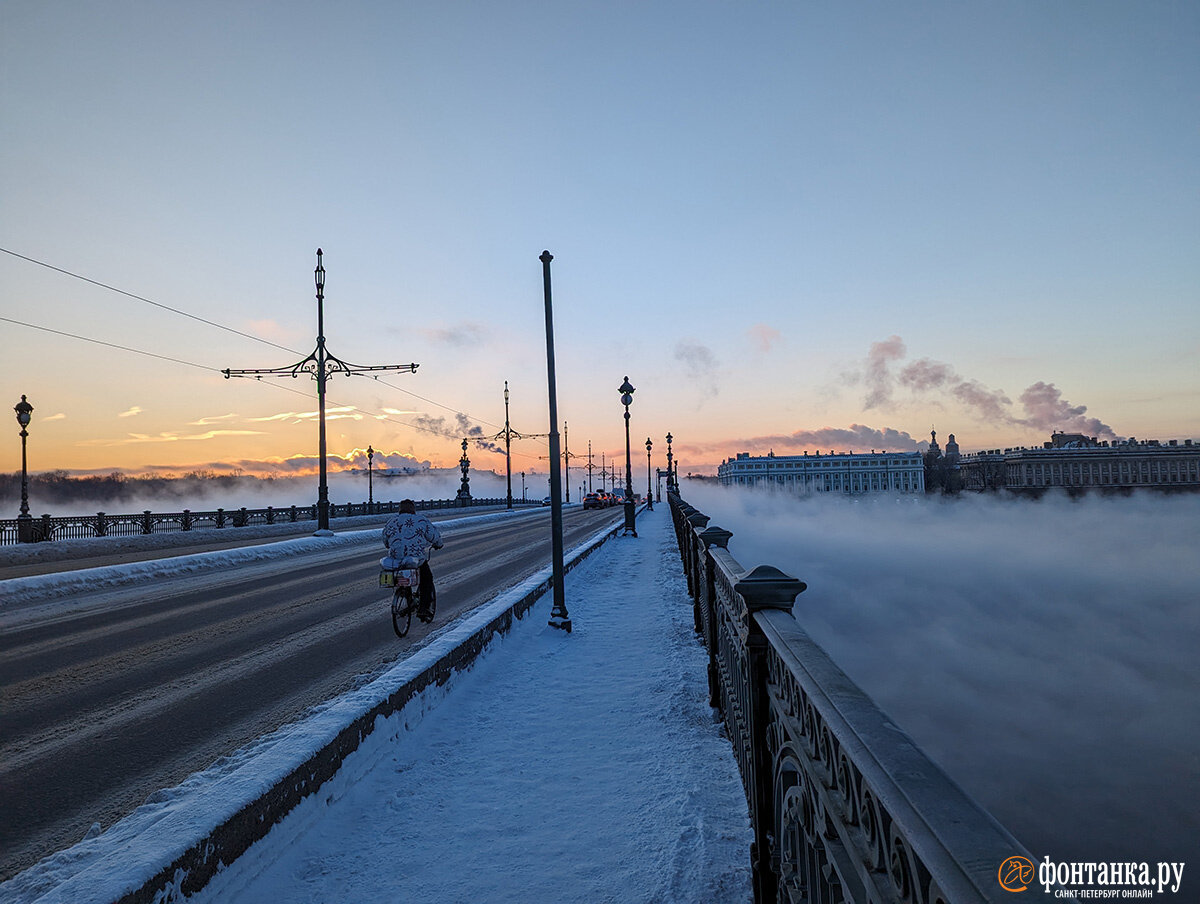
649	477
464	464
559	617
321	365
670	473
522	486
507	443
370	481
626	390
24	520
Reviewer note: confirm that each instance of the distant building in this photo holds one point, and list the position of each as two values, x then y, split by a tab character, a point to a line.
847	473
941	470
1077	462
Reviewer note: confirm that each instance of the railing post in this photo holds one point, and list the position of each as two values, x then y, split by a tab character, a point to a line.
219	521
270	514
185	523
695	521
101	525
147	524
766	587
711	537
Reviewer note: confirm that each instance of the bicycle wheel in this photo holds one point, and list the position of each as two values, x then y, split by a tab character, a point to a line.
402	610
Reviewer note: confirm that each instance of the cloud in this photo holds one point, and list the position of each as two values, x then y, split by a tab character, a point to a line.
763	337
855	438
878	375
54	417
135	410
300	417
1044	407
273	331
699	366
1047	409
462	428
214	419
459	335
138	438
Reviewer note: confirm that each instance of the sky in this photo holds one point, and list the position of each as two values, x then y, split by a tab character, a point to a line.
793	226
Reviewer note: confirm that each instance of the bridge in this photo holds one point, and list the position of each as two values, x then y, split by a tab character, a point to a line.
141	691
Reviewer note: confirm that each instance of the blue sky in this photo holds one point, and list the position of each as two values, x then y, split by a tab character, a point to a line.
789	224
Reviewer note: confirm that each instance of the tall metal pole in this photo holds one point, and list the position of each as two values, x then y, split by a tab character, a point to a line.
24	520
626	390
507	442
321	365
649	477
323	486
670	456
370	482
558	615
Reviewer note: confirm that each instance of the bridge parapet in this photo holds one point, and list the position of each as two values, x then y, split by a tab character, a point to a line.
845	806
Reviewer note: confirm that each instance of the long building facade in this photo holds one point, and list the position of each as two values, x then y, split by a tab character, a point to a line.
1076	462
847	473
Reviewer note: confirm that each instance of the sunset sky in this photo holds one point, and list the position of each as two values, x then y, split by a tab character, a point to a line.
792	225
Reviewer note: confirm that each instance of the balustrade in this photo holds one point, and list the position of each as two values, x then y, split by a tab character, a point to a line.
73	527
844	806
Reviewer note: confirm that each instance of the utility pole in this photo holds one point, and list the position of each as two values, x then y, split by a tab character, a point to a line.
558	614
508	434
590	466
567	455
321	365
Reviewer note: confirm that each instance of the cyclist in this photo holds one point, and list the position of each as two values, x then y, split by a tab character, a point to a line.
410	535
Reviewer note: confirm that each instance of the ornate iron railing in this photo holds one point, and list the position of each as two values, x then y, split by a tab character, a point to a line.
104	525
845	807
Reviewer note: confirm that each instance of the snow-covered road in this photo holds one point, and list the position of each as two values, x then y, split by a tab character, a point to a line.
582	767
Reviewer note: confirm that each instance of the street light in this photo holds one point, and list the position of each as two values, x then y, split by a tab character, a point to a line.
370	484
626	390
464	491
649	477
321	365
24	520
670	473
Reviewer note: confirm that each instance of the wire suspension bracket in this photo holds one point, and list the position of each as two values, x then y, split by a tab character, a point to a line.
320	365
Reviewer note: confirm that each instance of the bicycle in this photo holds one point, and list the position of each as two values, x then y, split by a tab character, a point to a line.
405	578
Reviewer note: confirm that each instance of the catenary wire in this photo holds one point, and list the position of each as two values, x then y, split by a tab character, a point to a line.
212	323
387	417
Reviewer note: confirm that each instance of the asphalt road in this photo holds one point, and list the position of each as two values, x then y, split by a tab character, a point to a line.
118	695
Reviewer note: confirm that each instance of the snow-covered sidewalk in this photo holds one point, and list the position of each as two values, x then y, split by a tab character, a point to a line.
585	767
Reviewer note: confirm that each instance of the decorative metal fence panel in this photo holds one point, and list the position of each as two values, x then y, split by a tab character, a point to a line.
74	527
845	807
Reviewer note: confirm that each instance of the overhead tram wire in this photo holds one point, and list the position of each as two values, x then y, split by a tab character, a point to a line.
137	351
156	304
212	323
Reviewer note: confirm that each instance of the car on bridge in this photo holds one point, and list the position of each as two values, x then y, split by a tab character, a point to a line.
593	501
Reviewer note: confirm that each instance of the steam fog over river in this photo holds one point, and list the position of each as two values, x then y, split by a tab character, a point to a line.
1045	653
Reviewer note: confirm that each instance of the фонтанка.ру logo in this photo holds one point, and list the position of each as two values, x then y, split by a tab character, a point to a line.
1016	873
